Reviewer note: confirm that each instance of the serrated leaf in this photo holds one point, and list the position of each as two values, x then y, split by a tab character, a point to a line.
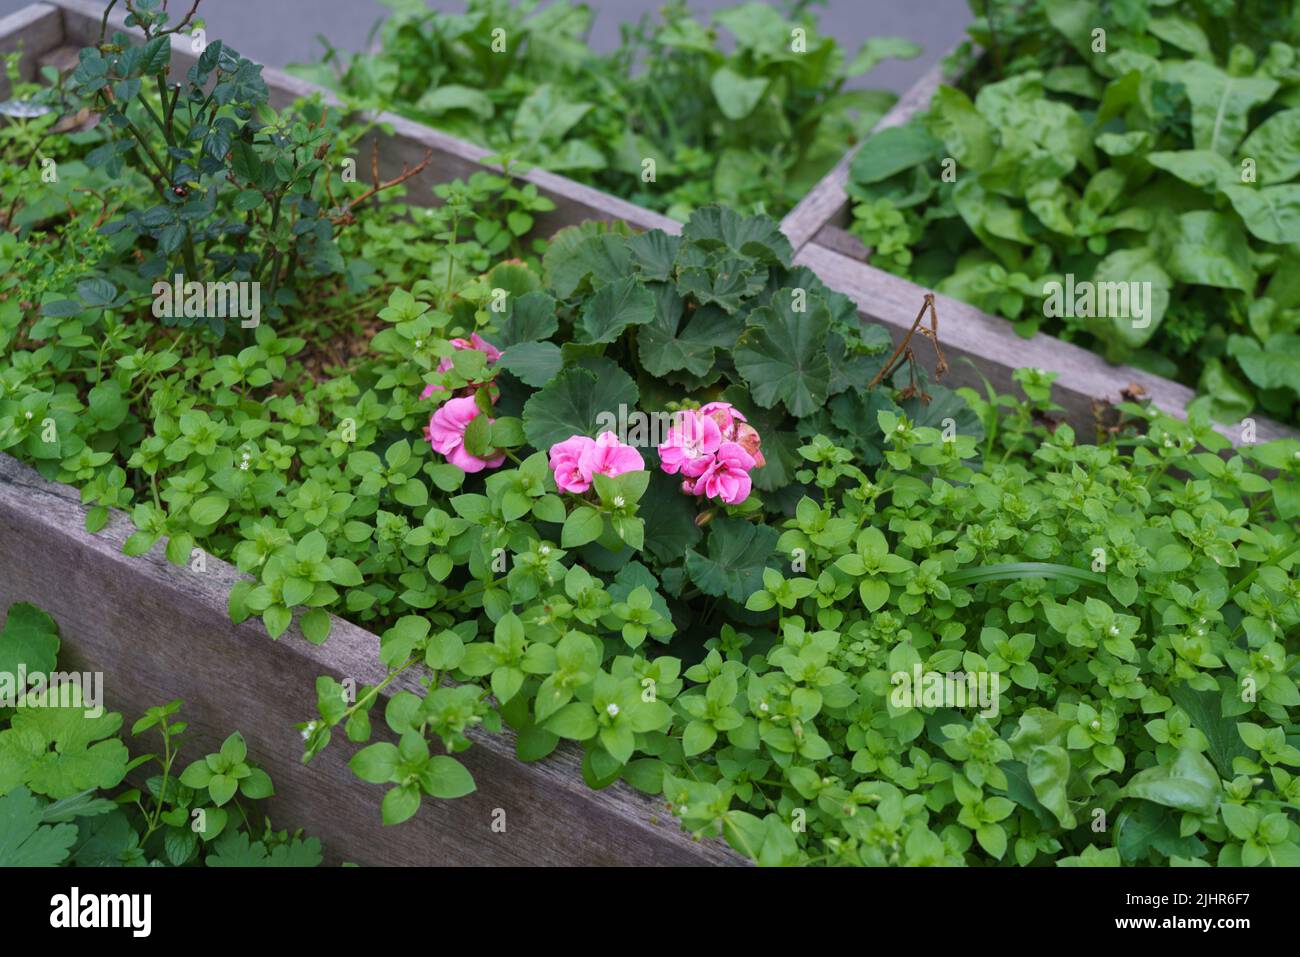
529	318
737	553
571	403
30	640
782	354
758	237
59	751
532	363
24	840
614	307
663	348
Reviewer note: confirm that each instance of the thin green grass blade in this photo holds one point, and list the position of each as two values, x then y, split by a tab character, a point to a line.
1012	571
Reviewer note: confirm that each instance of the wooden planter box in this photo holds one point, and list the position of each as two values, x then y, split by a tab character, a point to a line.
158	631
816	228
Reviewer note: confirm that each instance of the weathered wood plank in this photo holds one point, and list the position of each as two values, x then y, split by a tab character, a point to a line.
64	59
35	30
454	158
842	242
827	202
996	349
158	631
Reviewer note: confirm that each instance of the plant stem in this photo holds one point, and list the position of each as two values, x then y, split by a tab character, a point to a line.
1280	555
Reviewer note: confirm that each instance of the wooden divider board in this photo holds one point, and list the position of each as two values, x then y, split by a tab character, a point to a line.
34	30
996	349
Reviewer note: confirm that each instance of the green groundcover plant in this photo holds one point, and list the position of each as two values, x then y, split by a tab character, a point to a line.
748	111
1148	142
666	498
64	763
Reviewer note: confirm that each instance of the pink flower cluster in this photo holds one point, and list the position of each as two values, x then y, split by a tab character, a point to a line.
446	429
577	460
714	448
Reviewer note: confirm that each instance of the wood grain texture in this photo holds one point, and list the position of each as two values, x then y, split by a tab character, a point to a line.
827	204
35	30
454	158
158	631
64	59
995	349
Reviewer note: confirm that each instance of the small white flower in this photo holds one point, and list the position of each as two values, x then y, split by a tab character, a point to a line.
243	466
544	550
1169	444
27	414
611	709
306	732
619	501
901	428
418	343
762	706
1114	631
1094	724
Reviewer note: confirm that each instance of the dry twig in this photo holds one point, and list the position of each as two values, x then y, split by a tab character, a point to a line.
345	214
904	354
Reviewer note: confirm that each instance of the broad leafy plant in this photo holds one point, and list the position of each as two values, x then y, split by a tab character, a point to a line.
749	110
1125	143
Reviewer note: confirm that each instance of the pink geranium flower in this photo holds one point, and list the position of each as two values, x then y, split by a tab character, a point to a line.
577	460
608	456
446	434
566	463
689	443
725	414
727	475
735	428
